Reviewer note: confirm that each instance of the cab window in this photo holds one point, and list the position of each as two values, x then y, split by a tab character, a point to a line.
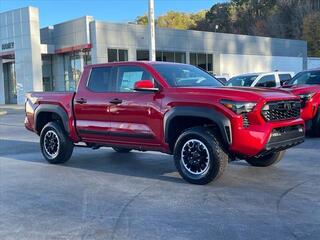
266	81
100	79
129	75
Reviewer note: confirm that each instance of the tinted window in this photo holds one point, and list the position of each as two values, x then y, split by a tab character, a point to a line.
242	81
112	55
284	77
123	55
128	75
267	81
309	77
117	55
142	55
181	75
100	79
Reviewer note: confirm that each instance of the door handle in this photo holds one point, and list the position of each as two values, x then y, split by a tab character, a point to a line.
81	100
115	101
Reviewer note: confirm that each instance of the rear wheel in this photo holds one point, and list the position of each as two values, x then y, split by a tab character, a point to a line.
122	150
199	156
55	143
267	160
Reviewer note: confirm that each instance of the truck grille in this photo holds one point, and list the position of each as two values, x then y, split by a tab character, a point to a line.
275	111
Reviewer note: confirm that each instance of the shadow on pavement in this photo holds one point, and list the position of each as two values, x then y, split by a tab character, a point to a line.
137	164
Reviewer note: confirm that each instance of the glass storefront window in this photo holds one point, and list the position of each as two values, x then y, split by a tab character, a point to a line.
47	77
180	57
164	56
202	60
112	55
117	55
123	55
73	67
168	57
158	56
142	55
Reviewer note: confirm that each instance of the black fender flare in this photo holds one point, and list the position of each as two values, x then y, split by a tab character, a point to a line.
222	121
52	109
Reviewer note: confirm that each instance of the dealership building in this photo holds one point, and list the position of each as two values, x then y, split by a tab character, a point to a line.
52	58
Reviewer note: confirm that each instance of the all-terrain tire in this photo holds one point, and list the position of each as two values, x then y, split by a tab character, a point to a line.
267	160
315	127
199	155
56	146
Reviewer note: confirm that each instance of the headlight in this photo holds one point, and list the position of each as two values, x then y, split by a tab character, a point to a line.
306	96
239	107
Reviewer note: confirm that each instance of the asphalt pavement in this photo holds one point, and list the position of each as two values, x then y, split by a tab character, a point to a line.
100	194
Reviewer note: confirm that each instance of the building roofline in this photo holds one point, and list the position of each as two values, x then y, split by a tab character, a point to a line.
16	9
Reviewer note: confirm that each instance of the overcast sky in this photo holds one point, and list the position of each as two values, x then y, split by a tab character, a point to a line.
56	11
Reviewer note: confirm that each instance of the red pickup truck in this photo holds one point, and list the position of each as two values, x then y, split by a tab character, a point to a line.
306	85
172	108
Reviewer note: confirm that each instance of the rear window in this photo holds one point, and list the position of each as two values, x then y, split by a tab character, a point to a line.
284	77
100	79
242	81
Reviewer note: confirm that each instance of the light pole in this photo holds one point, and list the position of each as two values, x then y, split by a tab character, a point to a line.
152	39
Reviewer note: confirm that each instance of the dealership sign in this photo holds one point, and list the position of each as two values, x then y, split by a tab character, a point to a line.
8	45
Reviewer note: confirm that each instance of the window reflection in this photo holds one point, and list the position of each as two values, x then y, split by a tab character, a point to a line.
202	60
73	67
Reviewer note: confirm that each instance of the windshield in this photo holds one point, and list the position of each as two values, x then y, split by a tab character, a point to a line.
309	77
242	81
182	75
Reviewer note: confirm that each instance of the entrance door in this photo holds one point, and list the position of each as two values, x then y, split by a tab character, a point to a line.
10	83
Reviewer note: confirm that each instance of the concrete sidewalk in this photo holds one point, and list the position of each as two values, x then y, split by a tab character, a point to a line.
4	107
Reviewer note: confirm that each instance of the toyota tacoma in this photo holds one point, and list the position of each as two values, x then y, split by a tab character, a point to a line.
172	108
306	85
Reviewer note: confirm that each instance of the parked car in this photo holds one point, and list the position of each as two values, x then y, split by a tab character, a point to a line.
222	78
172	108
306	85
271	79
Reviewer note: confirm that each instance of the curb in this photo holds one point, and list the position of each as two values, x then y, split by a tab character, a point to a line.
2	113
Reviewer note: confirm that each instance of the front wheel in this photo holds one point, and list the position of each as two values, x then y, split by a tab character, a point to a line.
315	129
199	156
55	143
267	160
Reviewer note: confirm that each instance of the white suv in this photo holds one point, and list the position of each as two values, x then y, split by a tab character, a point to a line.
270	79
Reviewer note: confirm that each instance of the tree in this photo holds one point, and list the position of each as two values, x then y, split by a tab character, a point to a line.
142	20
293	19
218	16
176	20
311	33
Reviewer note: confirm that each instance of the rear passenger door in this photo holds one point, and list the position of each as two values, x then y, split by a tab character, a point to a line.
91	104
267	81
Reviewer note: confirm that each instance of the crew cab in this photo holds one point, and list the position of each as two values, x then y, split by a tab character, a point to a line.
268	79
306	85
172	108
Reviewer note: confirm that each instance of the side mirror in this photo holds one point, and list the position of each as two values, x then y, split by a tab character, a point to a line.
145	85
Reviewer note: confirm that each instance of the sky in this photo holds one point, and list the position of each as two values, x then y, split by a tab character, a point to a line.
56	11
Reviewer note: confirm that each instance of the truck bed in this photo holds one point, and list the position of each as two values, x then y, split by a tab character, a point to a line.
35	100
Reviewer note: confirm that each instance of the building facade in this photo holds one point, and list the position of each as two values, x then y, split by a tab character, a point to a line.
52	58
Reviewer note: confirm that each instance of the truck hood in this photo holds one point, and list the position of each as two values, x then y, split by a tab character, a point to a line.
300	89
242	93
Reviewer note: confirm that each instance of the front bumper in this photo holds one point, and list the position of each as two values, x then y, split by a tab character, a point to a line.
269	137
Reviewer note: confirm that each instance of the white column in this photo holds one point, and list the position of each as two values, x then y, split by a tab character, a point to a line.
152	40
2	93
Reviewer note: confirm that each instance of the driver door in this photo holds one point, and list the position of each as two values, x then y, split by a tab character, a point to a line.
134	117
